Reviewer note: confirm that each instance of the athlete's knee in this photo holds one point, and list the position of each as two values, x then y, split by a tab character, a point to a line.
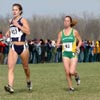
25	67
10	66
67	73
72	72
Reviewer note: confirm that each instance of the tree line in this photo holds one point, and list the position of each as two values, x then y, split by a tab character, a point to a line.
47	27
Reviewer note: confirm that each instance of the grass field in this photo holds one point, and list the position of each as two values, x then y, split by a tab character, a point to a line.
49	83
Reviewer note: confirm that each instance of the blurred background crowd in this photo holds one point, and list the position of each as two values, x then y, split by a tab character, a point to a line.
45	51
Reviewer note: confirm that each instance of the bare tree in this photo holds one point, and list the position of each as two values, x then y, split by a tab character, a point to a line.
48	26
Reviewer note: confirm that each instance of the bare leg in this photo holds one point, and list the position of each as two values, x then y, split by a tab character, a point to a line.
25	58
66	62
73	66
12	58
73	70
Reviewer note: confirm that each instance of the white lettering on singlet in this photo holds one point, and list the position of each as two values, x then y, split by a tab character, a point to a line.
67	38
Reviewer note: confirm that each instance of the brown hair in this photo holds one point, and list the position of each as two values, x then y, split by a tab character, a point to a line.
19	6
73	22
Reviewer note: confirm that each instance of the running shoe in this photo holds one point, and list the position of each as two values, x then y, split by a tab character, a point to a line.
29	85
9	89
71	90
77	78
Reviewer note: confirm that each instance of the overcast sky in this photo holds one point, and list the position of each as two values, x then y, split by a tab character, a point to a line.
52	7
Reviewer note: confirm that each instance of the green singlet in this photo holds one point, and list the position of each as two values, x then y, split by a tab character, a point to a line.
68	45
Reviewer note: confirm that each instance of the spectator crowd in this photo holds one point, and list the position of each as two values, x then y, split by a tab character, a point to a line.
42	51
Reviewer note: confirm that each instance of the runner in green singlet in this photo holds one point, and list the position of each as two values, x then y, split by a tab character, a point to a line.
67	38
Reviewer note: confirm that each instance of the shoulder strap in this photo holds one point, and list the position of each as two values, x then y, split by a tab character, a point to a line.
10	21
62	32
20	18
72	31
19	21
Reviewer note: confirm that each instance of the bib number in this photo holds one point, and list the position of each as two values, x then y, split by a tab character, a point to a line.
15	33
67	46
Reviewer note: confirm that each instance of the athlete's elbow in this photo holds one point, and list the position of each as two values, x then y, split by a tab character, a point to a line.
28	32
81	42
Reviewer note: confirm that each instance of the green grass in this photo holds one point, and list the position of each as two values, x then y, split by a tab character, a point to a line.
49	83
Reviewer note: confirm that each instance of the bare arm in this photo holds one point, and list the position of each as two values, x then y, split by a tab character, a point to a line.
7	34
58	40
25	28
78	38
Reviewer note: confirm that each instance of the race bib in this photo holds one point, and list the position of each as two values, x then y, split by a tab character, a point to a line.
67	46
15	33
